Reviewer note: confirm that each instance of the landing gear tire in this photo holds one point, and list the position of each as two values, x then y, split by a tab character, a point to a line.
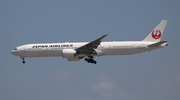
86	59
23	62
95	62
90	60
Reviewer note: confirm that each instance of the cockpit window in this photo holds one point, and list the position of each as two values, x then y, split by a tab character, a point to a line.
15	49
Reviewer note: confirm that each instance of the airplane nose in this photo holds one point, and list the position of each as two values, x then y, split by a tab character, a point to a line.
12	52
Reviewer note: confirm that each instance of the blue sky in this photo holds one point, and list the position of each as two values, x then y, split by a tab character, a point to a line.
152	75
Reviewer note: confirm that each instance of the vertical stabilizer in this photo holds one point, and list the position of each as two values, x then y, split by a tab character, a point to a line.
156	34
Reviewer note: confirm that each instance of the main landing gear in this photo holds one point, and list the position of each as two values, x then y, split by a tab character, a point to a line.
90	60
23	61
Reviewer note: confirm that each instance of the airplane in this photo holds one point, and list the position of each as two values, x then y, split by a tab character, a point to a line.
74	51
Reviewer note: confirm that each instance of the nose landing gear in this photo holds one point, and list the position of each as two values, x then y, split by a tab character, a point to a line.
23	61
90	60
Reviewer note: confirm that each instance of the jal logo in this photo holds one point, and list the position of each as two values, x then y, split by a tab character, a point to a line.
156	34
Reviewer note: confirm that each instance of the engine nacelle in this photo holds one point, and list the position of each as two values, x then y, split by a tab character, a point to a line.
68	53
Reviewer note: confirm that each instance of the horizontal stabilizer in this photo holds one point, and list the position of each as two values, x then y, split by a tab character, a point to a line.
157	43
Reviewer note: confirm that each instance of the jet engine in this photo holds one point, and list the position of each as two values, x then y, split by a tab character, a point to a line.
68	53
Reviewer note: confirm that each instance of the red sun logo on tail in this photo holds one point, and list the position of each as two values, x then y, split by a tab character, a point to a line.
156	34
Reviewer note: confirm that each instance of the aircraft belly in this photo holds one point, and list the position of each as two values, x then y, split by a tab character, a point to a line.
124	51
105	52
118	51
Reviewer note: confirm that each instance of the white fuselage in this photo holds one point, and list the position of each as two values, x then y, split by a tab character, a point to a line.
105	48
75	51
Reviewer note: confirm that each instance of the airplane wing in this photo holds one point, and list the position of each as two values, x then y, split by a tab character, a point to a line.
157	43
89	47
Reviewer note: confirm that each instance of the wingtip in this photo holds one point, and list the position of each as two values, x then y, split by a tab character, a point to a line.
164	20
105	35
